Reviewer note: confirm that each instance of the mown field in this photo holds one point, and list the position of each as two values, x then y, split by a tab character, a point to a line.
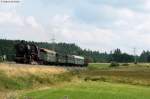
92	90
98	81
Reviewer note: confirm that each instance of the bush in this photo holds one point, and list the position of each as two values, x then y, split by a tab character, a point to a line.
114	64
95	79
1	59
125	64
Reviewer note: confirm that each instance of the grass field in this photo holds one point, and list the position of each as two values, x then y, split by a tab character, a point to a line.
98	81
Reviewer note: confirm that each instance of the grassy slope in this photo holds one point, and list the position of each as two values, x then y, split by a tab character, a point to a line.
93	90
17	77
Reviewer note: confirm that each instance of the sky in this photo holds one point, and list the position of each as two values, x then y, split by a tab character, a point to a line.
101	25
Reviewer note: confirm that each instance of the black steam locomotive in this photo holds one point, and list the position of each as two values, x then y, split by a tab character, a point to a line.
28	53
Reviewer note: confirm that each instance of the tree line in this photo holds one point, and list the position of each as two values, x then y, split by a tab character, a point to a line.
7	48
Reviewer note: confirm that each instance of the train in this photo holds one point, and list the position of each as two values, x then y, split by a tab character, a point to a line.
30	53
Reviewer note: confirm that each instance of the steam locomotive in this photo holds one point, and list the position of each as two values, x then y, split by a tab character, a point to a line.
28	53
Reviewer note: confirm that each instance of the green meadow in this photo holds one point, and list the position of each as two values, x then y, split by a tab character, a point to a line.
92	90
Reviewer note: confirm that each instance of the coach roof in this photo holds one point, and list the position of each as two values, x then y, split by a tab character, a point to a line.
78	57
47	50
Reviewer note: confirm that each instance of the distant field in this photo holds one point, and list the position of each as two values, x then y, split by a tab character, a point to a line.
99	65
106	65
132	74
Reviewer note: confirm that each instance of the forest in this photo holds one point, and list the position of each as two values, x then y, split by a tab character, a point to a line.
7	48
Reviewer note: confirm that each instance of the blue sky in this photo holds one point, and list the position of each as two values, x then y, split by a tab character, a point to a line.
92	24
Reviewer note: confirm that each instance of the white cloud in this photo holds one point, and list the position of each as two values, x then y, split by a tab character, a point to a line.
21	27
146	4
11	18
32	22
